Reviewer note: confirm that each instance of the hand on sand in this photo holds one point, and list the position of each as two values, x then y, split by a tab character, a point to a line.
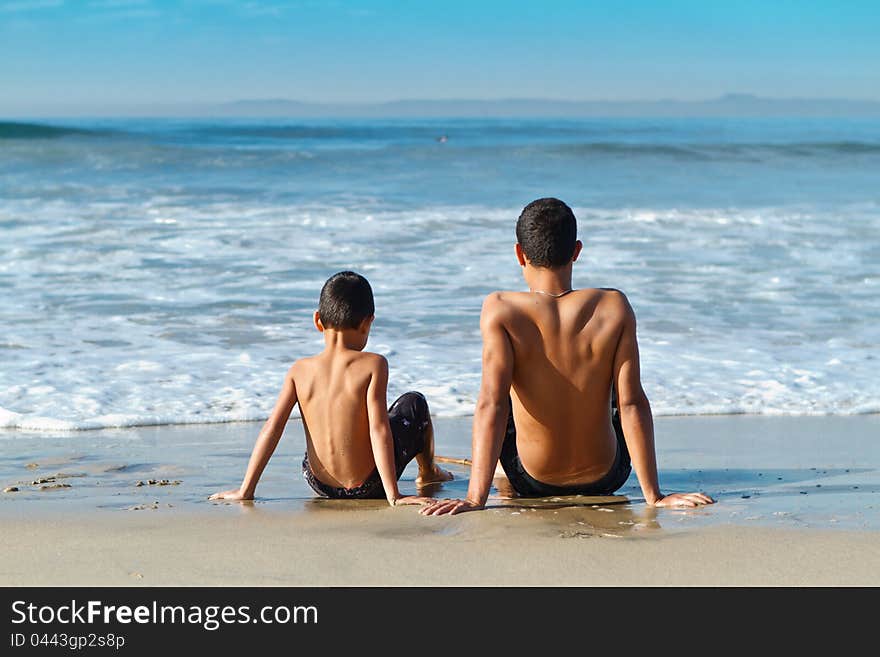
233	495
684	499
449	507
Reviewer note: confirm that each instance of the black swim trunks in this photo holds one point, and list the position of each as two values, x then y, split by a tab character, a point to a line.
527	486
409	417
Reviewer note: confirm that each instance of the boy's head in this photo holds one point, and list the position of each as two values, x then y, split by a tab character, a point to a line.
546	234
346	301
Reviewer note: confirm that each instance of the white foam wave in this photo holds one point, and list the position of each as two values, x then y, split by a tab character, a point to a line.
160	310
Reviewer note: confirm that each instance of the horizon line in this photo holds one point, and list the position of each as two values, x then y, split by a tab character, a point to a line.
729	105
745	96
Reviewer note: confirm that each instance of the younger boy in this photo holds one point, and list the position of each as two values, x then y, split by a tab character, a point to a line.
355	448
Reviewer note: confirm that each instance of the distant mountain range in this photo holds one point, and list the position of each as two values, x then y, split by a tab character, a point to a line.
730	105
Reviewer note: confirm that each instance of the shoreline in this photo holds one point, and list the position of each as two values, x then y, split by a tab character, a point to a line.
44	431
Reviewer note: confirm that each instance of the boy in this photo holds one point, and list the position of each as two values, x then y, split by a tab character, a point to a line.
553	359
355	448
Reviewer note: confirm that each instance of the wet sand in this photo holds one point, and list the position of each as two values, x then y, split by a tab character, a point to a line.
797	505
382	546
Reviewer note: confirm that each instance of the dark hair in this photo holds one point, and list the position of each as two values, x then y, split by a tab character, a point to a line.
346	301
547	232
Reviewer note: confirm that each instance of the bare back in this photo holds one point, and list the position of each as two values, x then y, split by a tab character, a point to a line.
563	360
332	394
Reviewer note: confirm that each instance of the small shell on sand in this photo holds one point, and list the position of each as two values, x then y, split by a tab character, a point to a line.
32	466
10	489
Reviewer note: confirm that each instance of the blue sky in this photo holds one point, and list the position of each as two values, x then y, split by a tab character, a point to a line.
163	51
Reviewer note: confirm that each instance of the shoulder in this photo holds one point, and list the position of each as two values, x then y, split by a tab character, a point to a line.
304	369
498	308
375	371
616	304
376	363
298	374
500	303
298	368
613	298
493	301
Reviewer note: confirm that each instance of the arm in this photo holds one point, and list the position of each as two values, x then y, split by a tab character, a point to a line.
490	414
266	443
637	421
381	439
380	430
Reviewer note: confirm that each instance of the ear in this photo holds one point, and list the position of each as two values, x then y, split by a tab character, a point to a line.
520	256
366	324
578	245
318	323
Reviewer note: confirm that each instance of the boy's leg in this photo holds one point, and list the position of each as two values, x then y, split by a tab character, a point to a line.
413	434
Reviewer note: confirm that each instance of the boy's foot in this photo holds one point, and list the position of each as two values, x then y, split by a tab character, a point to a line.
435	475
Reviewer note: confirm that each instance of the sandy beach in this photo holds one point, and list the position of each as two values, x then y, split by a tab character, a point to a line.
797	505
380	547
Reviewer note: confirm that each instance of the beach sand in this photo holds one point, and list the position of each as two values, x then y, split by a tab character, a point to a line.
797	505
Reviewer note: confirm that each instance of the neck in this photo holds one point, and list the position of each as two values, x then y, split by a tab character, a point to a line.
338	339
550	281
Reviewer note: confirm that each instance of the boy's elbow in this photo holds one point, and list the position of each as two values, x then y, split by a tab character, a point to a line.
380	434
270	427
634	402
491	406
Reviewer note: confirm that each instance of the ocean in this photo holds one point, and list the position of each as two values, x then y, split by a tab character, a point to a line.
166	271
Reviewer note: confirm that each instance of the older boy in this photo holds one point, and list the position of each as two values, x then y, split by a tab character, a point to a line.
355	448
553	358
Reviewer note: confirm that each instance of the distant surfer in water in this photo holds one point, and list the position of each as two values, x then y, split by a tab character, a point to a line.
561	403
442	139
